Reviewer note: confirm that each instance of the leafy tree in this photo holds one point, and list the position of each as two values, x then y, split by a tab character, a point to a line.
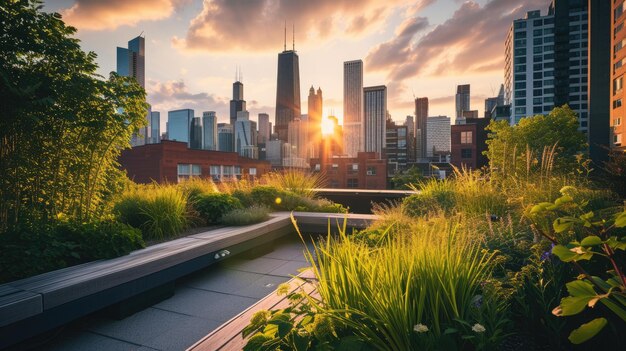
407	178
534	142
62	126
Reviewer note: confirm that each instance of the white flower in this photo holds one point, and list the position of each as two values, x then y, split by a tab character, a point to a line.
420	328
477	328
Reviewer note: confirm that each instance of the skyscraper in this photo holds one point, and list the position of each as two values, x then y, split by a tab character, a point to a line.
264	128
421	114
245	136
409	123
209	130
462	99
438	137
225	137
617	61
197	137
237	103
179	124
287	90
492	102
315	122
546	61
375	115
155	126
353	128
131	61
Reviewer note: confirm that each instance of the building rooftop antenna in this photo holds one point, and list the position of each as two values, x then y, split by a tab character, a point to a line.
293	33
285	42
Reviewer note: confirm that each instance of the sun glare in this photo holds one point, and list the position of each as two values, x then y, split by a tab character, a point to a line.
328	127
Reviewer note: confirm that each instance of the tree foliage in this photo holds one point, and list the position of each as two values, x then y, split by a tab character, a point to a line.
534	142
62	126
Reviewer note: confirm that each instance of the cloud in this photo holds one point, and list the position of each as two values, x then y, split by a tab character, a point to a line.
228	25
110	14
472	40
174	95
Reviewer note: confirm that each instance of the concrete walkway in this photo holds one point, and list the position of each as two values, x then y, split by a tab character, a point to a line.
202	302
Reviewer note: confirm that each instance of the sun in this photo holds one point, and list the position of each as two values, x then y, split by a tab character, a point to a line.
328	127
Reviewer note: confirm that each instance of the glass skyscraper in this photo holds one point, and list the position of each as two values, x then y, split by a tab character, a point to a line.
179	123
209	130
287	92
353	107
375	115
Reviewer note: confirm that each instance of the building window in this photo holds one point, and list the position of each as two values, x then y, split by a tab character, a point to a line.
371	171
317	167
353	168
618	84
466	137
466	153
617	122
617	103
186	171
252	171
353	183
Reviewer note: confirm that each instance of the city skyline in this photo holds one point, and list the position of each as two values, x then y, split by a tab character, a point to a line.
201	78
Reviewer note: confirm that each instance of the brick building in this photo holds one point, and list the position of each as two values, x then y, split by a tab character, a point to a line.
468	141
172	161
366	171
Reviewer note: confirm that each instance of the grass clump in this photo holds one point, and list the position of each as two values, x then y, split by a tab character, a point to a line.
246	216
212	206
296	181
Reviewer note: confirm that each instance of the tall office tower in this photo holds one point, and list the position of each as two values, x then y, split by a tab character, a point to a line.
264	128
315	122
409	123
353	128
298	143
155	127
209	130
287	90
225	137
462	99
421	132
374	116
179	124
131	61
246	136
396	147
546	61
492	102
197	137
237	103
438	137
617	61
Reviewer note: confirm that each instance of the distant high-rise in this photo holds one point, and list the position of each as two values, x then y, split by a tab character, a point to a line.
438	137
421	132
197	137
209	130
546	61
353	127
493	102
462	99
409	123
246	136
155	127
225	137
131	61
287	91
374	117
179	124
315	122
237	103
264	128
617	64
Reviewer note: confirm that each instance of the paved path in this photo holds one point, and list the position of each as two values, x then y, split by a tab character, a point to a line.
203	301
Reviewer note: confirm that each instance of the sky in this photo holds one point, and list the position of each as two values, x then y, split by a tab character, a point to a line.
421	48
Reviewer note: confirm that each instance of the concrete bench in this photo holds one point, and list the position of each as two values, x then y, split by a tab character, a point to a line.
41	303
228	336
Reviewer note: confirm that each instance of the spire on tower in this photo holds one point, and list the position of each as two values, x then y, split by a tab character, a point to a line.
285	42
293	33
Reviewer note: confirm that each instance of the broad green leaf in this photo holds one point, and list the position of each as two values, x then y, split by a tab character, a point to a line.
591	241
540	207
563	224
571	306
563	200
580	288
616	244
563	253
587	331
270	330
620	221
256	342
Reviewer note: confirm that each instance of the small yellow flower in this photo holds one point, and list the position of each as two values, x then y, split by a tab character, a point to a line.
283	289
278	200
420	328
477	328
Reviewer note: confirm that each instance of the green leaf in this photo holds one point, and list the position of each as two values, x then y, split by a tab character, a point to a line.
620	220
540	207
563	253
571	306
563	224
616	244
587	331
256	342
580	288
350	343
563	200
450	331
591	241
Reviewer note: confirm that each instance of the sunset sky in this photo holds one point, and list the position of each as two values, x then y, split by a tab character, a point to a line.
423	47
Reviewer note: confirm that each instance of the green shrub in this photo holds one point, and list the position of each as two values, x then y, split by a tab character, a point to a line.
194	187
128	209
434	195
211	207
246	216
27	250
